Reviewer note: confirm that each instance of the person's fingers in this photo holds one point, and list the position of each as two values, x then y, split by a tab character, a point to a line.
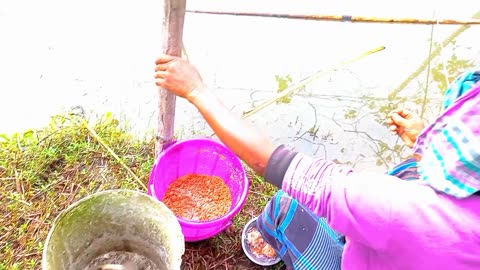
407	114
393	129
160	74
397	110
399	120
159	82
164	58
161	67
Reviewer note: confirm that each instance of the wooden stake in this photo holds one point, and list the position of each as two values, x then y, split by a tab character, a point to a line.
174	14
342	18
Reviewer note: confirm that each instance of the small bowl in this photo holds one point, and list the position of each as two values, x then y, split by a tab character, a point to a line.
263	261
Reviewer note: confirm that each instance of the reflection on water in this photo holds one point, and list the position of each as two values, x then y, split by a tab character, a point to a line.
106	65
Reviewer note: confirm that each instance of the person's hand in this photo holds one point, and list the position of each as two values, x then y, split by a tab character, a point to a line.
406	124
178	76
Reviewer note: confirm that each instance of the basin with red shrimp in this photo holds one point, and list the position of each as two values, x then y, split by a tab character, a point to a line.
206	157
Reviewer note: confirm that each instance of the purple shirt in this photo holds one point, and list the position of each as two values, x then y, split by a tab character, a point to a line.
389	223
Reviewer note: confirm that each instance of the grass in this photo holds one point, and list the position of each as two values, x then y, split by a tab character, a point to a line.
43	171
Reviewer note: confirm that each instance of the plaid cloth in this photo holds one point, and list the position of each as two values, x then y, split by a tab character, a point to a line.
449	148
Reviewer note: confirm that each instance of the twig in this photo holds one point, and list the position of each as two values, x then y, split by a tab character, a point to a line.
222	262
318	144
315	128
355	131
185	53
18	185
6	235
111	152
53	183
294	88
25	202
427	79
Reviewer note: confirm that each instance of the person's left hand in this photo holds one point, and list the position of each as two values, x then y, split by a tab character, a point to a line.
406	124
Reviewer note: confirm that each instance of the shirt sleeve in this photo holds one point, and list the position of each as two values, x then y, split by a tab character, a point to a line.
278	164
363	206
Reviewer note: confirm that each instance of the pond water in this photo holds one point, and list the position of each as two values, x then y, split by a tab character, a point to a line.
55	55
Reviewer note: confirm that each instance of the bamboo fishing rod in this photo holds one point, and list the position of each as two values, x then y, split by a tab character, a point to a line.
302	83
343	18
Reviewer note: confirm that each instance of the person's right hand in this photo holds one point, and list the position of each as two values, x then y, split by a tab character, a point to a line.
178	76
406	124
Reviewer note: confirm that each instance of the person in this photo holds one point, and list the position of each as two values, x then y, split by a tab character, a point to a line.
328	216
408	125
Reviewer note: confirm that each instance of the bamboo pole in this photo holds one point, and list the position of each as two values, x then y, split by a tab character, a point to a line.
174	14
296	87
343	18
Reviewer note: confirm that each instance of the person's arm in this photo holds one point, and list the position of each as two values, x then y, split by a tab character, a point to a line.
354	204
362	206
181	78
240	136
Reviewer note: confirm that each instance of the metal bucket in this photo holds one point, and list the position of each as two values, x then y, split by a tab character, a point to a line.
116	227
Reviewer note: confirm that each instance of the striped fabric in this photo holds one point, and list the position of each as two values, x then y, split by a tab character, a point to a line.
302	239
406	170
449	148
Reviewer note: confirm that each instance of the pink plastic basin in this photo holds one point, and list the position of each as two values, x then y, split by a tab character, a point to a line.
203	156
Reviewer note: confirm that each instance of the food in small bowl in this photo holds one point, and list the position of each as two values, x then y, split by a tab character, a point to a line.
255	247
